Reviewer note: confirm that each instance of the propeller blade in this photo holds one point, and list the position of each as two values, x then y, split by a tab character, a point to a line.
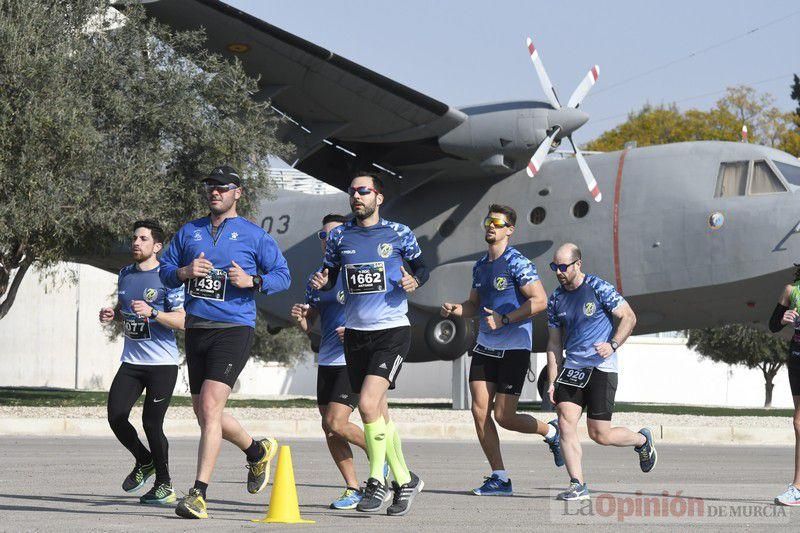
586	172
537	159
583	87
547	86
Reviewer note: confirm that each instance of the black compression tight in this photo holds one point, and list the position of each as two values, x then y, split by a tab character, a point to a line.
128	384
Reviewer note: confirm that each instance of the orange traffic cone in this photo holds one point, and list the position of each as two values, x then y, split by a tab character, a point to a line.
283	506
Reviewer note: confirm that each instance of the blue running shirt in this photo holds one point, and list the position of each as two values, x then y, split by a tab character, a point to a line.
146	341
370	260
330	307
498	283
584	314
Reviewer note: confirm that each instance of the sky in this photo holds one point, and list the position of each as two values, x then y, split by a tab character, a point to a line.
466	52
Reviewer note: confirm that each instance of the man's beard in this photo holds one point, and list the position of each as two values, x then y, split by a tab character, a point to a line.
141	257
490	239
368	212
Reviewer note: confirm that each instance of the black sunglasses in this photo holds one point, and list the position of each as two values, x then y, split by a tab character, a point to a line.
362	191
322	234
562	267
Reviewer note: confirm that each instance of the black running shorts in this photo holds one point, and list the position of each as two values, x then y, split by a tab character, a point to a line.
333	385
375	353
793	366
508	372
597	397
217	354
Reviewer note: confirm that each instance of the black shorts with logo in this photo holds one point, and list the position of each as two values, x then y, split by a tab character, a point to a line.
597	397
375	353
333	385
508	372
218	354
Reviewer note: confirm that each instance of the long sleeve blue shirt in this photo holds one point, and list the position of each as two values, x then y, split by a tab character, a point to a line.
239	240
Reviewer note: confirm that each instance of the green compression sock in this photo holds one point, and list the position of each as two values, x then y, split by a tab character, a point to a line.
394	453
375	435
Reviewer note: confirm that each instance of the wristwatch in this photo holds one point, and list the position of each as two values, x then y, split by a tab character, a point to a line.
257	283
154	313
614	344
504	319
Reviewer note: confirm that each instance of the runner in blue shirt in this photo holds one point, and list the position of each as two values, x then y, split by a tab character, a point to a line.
149	312
506	293
580	316
335	397
225	261
370	252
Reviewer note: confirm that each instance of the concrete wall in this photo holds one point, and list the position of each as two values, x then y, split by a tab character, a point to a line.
51	338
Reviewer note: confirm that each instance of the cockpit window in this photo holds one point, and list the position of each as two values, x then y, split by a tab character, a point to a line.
732	179
764	180
790	172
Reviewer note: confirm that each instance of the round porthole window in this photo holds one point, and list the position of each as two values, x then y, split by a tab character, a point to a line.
580	209
538	215
716	220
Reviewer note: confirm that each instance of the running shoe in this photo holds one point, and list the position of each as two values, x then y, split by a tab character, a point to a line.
375	495
258	471
647	452
555	444
160	494
791	496
193	505
576	491
138	477
348	500
494	486
404	494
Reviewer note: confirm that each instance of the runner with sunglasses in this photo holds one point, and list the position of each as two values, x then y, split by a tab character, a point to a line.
371	252
224	260
506	293
336	400
580	315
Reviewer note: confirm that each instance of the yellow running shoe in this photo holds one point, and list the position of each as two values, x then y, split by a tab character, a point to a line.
258	472
193	505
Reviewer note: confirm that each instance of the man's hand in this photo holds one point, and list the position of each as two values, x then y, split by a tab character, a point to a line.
449	309
494	320
198	268
789	317
238	277
299	312
551	391
604	349
141	308
106	315
320	279
340	332
408	282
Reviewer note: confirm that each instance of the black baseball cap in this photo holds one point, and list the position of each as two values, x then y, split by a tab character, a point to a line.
223	175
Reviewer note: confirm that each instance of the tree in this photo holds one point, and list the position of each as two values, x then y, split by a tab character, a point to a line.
743	345
104	123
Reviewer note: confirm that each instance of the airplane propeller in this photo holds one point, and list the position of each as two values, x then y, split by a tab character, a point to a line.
580	92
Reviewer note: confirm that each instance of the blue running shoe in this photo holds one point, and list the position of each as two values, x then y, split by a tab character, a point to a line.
647	453
791	496
493	486
576	491
348	500
555	444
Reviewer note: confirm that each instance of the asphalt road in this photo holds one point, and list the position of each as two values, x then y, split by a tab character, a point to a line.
73	484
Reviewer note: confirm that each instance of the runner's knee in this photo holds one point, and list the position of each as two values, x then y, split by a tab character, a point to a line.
600	436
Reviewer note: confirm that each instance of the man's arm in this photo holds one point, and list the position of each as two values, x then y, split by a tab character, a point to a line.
270	260
171	262
555	358
535	303
172	319
782	314
627	321
466	309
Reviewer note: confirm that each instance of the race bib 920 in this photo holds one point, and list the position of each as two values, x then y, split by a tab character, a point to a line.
365	278
210	287
136	328
575	377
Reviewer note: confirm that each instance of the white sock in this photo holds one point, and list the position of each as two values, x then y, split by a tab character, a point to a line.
502	474
551	431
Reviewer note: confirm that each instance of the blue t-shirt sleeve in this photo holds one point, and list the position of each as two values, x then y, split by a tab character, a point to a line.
270	260
607	294
175	299
312	295
553	320
523	270
408	243
475	276
332	256
171	262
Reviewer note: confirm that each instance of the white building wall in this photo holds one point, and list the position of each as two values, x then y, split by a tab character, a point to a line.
38	348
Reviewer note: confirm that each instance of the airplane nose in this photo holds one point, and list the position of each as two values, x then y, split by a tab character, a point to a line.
568	118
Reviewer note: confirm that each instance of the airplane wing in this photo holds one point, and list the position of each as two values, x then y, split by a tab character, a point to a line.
341	115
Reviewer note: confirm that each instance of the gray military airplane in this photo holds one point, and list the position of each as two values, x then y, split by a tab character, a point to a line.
693	234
